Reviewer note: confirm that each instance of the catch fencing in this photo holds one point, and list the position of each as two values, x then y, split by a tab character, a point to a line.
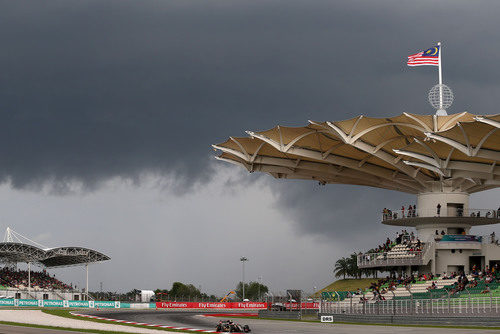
480	306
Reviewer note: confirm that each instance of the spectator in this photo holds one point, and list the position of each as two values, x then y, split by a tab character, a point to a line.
42	280
438	209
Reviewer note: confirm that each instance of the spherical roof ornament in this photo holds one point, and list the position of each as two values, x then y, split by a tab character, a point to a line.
441	98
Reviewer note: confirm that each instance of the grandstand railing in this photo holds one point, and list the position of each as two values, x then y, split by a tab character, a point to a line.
382	259
438	307
404	214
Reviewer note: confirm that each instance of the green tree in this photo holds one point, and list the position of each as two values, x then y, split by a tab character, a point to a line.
341	267
352	263
184	290
252	290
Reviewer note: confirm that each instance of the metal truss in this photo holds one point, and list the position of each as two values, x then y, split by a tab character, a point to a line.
408	153
13	250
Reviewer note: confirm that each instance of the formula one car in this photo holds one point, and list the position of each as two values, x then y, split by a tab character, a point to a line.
228	326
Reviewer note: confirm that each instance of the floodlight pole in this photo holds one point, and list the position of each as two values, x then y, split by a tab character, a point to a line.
29	278
260	280
440	77
87	284
243	259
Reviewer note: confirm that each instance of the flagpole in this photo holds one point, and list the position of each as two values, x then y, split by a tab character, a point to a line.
440	79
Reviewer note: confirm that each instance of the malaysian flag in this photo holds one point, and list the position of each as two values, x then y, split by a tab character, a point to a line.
427	57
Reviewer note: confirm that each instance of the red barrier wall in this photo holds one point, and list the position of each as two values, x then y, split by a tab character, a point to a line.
213	305
237	305
304	305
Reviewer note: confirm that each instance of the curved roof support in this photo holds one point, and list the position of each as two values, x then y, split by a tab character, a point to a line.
474	167
447	161
285	172
377	152
291	143
234	162
429	160
355	125
240	146
487	121
480	144
267	140
335	160
466	138
257	151
449	141
416	119
338	131
481	153
427	166
464	157
374	127
430	150
233	152
453	119
331	149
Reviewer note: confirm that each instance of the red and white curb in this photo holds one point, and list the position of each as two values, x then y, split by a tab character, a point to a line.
143	324
222	315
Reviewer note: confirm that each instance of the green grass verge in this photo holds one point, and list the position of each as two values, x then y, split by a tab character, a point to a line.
348	284
372	324
58	328
67	314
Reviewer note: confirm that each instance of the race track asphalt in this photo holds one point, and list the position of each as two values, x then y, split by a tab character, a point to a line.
194	319
7	329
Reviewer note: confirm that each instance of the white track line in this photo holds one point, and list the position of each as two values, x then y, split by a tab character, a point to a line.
142	323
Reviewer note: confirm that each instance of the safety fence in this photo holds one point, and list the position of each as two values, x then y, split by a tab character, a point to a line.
442	306
217	306
94	304
65	303
235	305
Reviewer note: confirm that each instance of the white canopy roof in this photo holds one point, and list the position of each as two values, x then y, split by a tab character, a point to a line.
409	153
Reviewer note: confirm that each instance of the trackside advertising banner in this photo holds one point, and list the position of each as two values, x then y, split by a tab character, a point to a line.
64	303
249	305
304	305
116	304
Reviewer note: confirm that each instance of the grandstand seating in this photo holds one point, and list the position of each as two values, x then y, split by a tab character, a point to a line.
18	279
419	290
400	252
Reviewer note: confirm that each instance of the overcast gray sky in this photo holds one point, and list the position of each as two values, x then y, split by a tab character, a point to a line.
108	110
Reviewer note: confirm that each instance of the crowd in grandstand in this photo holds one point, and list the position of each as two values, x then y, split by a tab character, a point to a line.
388	284
409	212
41	279
402	238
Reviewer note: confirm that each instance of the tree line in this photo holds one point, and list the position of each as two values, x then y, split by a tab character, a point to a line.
187	292
348	267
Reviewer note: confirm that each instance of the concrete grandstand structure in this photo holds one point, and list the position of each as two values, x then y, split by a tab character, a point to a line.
442	159
18	284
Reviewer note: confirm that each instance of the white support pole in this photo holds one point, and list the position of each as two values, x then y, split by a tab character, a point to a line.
440	78
87	283
243	281
29	278
243	259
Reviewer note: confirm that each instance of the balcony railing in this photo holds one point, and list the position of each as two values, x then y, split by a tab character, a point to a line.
443	212
444	306
388	259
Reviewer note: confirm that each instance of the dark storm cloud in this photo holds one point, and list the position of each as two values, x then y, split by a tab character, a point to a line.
349	215
95	89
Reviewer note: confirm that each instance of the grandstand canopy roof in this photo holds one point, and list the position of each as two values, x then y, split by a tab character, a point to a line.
409	153
54	257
